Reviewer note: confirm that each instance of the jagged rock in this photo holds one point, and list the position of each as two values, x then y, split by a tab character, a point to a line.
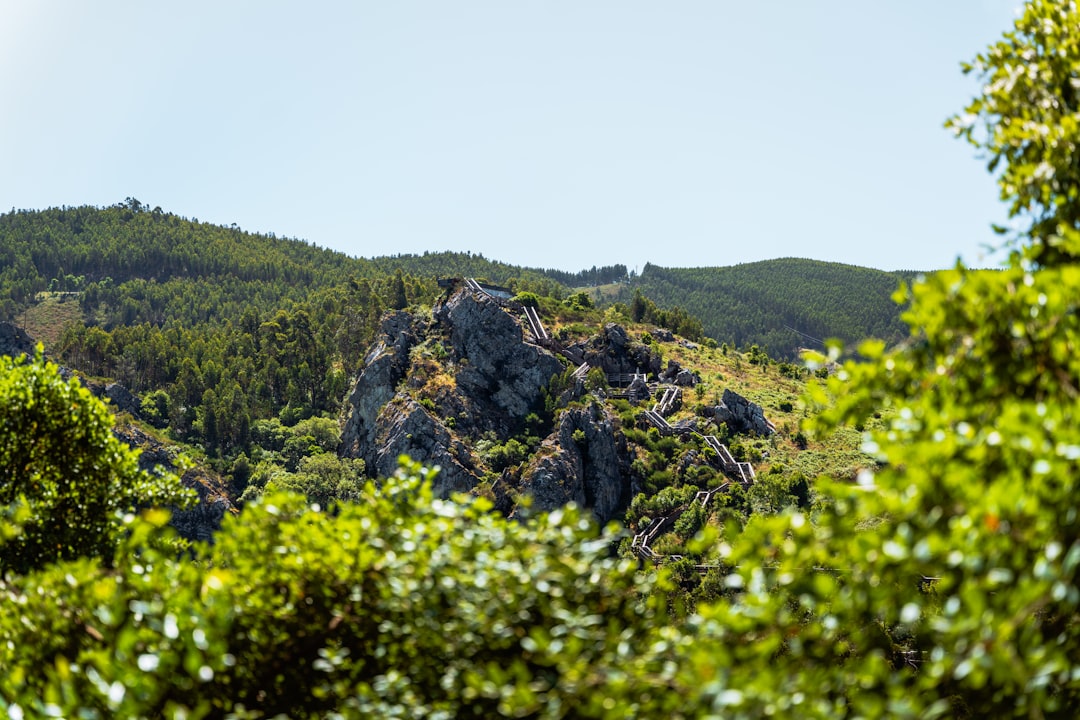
123	399
638	390
498	380
406	428
669	373
662	334
676	374
741	415
615	354
686	378
592	470
616	336
15	341
384	367
500	377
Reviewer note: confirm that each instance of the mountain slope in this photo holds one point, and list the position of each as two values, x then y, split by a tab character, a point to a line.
782	304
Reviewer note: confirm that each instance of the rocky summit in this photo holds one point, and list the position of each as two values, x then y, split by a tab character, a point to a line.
459	388
478	388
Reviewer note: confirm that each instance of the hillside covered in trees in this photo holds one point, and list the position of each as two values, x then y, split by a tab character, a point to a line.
221	272
781	305
223	331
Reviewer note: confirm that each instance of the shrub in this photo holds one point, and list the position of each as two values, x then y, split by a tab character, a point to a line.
66	482
397	606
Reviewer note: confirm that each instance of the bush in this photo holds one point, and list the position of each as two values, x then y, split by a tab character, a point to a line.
66	482
530	299
399	606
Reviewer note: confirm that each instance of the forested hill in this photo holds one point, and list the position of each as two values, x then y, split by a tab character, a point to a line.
783	304
135	265
72	248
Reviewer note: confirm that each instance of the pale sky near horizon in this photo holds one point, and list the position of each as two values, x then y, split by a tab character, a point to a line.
544	134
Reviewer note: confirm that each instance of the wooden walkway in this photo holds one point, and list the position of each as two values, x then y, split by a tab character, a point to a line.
535	326
624	378
642	542
666	405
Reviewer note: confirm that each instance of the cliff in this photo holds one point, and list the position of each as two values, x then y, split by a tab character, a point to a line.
463	390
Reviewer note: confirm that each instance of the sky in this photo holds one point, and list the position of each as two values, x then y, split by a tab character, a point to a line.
545	134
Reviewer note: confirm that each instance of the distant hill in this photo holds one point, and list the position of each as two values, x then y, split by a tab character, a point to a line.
780	305
72	248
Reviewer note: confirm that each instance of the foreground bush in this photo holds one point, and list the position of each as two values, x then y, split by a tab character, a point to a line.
399	606
66	482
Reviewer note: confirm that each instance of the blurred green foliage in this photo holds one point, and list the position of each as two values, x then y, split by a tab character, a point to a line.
66	482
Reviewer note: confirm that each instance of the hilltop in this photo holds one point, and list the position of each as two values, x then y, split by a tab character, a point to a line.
533	402
782	305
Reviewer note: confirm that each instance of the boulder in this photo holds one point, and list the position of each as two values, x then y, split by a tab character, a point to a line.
686	378
741	415
585	461
613	351
662	334
669	373
638	390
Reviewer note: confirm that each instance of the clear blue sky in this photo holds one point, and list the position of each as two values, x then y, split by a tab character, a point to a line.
551	134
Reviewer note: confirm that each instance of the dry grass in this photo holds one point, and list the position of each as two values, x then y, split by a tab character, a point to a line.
47	319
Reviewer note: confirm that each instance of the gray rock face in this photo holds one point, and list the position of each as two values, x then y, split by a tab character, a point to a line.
123	399
614	353
384	367
406	428
592	470
15	341
638	390
677	374
498	380
741	415
500	376
686	378
662	334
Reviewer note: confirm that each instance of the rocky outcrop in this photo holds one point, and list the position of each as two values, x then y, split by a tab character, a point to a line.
638	391
500	377
384	367
741	415
585	461
15	341
678	375
614	352
493	381
123	400
662	334
406	428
